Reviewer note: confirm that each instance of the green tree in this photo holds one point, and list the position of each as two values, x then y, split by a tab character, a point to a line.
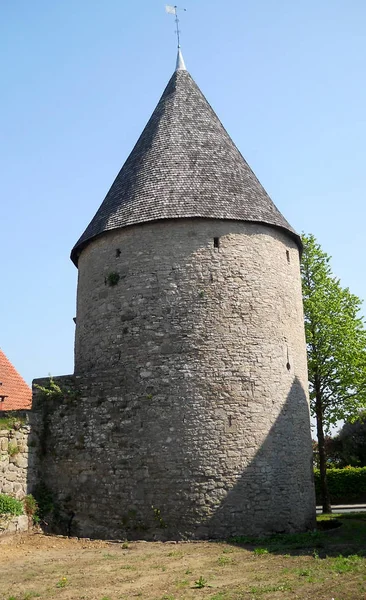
352	439
333	452
336	345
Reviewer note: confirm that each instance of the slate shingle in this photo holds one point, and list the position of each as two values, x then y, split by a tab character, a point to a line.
183	165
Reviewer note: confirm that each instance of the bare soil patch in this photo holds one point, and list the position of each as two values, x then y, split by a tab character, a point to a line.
321	566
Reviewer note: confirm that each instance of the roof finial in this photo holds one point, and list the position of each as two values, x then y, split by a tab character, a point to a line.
180	66
173	10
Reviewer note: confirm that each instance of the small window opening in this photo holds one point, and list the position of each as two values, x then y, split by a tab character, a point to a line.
216	242
118	253
288	366
288	256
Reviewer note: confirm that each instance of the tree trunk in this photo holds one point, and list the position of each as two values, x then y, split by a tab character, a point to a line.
326	506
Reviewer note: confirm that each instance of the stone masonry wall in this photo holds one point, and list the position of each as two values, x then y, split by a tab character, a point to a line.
15	466
188	414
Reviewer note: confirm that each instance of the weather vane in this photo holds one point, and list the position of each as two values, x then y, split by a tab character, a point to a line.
173	10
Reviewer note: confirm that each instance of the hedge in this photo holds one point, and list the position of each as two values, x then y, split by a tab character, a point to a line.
345	485
10	506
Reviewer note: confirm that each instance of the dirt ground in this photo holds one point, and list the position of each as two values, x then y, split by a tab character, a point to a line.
47	567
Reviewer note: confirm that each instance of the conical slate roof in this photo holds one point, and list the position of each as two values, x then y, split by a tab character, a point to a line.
183	165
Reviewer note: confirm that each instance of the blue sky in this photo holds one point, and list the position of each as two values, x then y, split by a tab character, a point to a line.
80	80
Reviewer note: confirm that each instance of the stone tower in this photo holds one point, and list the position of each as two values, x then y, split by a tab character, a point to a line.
190	350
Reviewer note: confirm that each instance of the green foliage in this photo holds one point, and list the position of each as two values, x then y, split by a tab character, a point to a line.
176	553
224	560
31	507
158	517
352	441
13	449
355	517
333	452
336	339
304	572
259	551
10	506
62	583
281	542
345	484
265	589
11	422
182	583
51	391
27	596
343	564
337	569
112	279
201	582
6	423
44	499
336	348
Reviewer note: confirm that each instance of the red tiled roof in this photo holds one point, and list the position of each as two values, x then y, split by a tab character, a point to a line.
19	394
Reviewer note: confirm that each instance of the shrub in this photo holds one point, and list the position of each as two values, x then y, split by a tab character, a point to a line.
11	421
10	506
112	279
31	507
51	391
200	583
13	449
44	500
344	484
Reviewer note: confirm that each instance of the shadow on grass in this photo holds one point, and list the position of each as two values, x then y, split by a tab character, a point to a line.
336	535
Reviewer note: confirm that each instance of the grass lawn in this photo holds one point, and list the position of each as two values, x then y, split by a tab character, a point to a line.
324	565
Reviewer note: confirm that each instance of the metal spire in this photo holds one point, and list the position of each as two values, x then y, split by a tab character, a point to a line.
173	10
180	66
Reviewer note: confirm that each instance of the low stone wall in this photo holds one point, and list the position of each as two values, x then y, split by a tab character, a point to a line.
16	456
10	524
